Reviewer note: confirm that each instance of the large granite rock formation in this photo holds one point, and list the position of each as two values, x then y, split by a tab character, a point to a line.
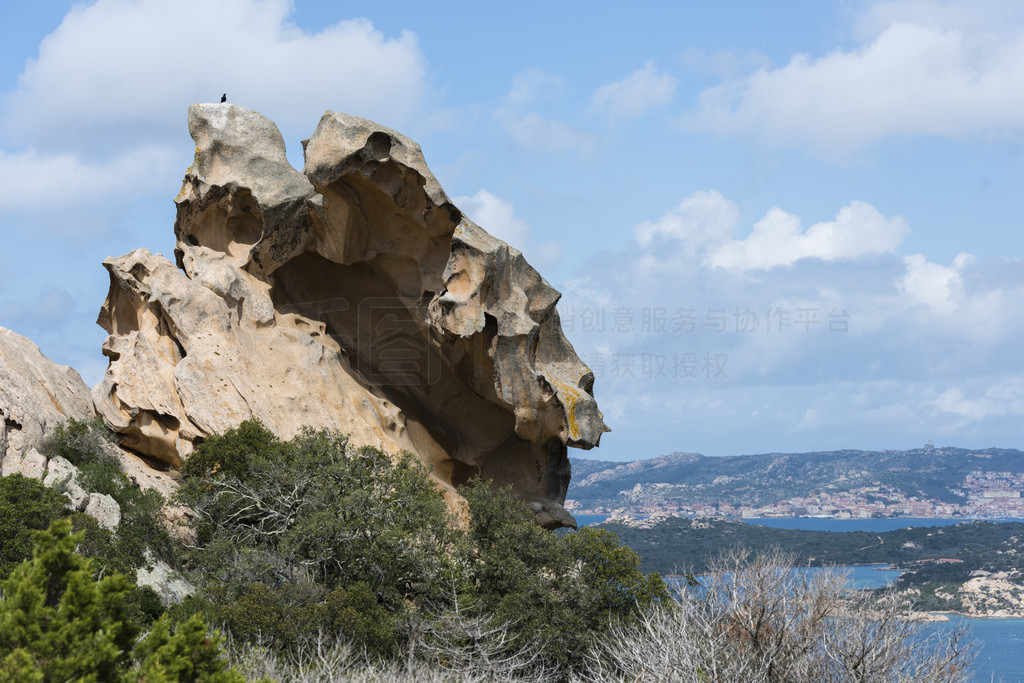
36	395
353	296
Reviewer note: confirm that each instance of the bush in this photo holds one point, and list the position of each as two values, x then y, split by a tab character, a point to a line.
313	537
88	445
80	442
564	590
25	506
294	534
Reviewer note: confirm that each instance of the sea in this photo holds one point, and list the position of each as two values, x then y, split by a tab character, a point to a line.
1001	641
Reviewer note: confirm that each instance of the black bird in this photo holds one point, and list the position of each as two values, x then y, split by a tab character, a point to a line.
224	97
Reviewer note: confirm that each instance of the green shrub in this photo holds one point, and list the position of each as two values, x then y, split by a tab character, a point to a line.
59	623
56	622
25	506
353	613
314	537
80	442
233	452
143	606
293	534
565	591
88	445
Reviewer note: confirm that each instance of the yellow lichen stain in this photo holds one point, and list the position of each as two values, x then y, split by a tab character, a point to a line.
569	397
460	230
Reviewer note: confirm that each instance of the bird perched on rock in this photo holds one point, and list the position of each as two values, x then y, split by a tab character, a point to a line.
224	97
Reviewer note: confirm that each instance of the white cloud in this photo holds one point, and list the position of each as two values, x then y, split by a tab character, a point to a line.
496	216
531	130
1004	397
124	68
916	76
993	17
30	181
939	288
858	231
959	300
527	85
705	217
630	97
541	134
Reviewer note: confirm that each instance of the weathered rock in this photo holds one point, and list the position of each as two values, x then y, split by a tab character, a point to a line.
59	471
104	509
354	296
160	577
33	465
36	394
64	475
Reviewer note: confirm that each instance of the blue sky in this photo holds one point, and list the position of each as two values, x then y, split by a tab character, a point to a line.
777	226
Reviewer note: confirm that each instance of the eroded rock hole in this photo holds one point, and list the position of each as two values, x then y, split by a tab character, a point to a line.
378	146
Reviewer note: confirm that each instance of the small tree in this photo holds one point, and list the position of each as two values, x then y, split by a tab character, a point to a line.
58	622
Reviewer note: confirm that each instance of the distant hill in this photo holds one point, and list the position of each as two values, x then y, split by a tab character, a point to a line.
927	472
688	545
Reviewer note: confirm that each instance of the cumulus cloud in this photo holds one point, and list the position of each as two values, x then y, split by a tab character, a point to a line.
778	239
644	89
919	73
497	216
705	217
939	288
130	68
847	334
540	134
961	299
701	227
536	132
30	180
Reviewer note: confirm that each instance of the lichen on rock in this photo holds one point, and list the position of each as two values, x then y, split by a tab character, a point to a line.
353	295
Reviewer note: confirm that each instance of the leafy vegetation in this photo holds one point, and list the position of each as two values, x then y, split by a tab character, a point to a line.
313	536
59	622
25	506
324	561
141	532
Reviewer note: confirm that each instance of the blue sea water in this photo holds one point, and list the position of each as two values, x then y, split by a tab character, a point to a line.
1001	655
584	520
